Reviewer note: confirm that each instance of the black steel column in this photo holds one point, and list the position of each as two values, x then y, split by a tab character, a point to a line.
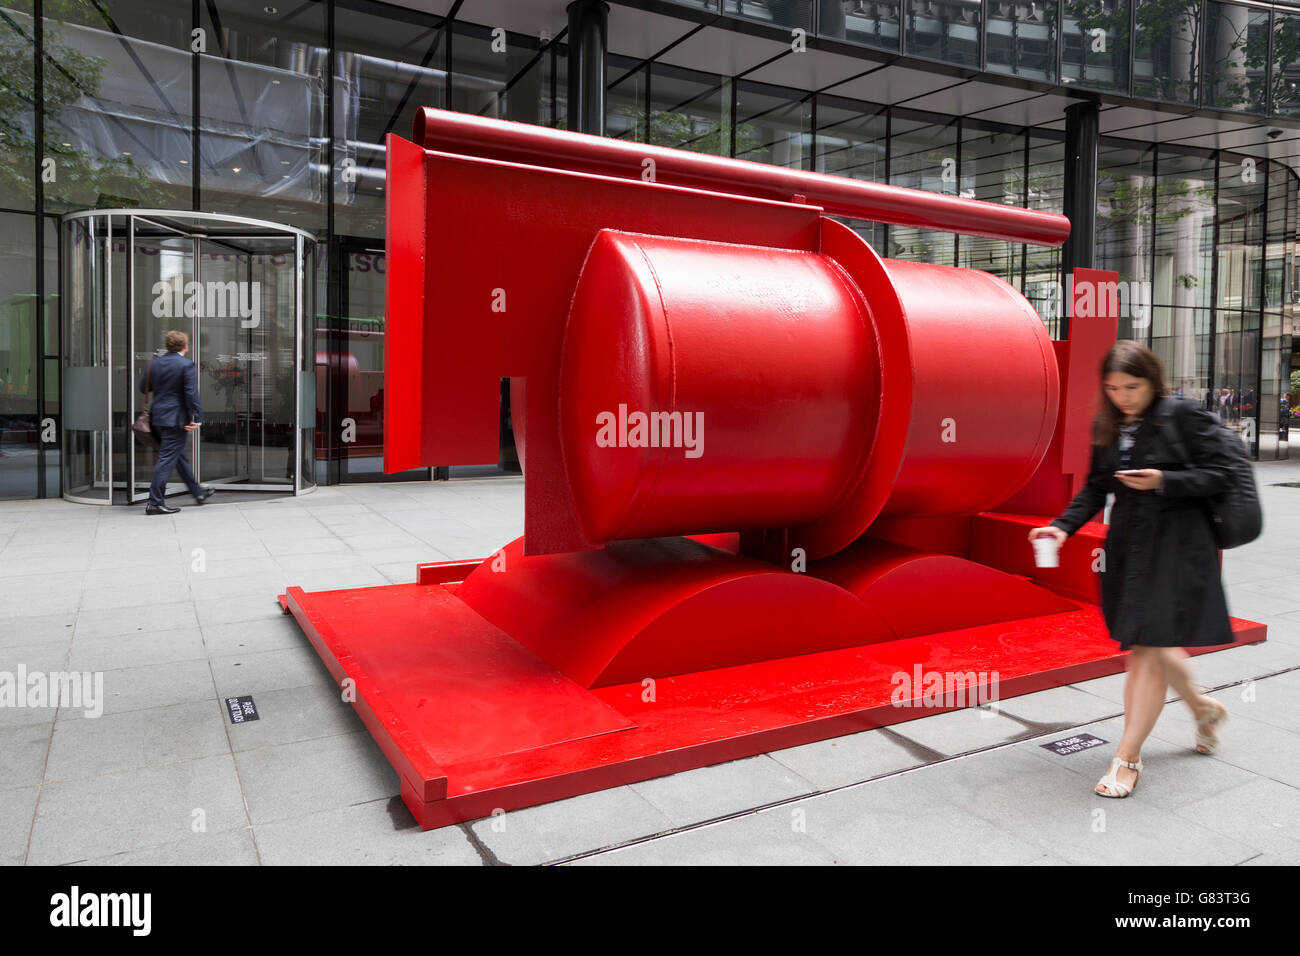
1080	205
588	32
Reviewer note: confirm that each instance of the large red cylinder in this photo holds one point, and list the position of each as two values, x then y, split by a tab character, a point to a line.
716	387
754	368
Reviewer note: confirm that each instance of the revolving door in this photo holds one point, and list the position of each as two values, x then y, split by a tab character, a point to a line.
241	290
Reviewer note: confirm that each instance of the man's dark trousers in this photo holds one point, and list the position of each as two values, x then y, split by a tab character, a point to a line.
172	455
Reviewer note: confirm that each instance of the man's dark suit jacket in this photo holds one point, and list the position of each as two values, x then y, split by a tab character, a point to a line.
175	387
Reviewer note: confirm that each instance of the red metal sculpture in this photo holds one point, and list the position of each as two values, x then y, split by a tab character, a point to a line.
767	471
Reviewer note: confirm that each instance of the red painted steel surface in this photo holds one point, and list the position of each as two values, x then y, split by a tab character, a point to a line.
447	131
862	418
750	368
447	703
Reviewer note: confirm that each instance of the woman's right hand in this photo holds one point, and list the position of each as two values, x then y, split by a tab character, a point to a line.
1052	530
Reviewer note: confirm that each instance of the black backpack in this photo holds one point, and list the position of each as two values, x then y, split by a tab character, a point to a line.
1235	513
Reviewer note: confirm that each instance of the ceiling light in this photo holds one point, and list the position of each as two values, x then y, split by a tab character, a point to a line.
235	169
271	10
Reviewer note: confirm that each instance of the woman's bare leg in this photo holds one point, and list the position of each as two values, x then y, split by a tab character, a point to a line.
1179	676
1144	698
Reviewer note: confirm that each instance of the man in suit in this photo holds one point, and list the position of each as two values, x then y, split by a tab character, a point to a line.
174	412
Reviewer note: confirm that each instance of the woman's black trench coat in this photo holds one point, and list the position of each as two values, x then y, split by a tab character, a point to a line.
1160	584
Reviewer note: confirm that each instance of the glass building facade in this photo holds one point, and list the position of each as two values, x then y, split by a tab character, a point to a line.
279	113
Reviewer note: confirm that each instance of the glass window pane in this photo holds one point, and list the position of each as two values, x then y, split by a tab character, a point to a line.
947	30
992	170
1124	237
20	399
385	70
262	112
773	125
690	110
118	107
1167	59
782	13
1236	56
1184	230
1096	42
1286	64
625	106
923	155
873	24
17	107
1021	39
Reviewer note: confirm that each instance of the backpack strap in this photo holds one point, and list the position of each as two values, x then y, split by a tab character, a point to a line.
1172	432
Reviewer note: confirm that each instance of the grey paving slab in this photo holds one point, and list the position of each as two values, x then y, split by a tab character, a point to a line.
323	543
1173	773
376	833
293	714
961	731
565	828
138	739
1245	743
853	758
22	755
137	650
1058	705
1241	663
1262	813
770	838
92	817
235	609
1043	805
18	631
242	587
104	597
313	775
402	572
136	619
128	689
261	671
709	792
17	808
907	820
250	637
227	848
1272	700
46	656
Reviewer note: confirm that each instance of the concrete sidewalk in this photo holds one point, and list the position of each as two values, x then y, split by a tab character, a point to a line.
179	613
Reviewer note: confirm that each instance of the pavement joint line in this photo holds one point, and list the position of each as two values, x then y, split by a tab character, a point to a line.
787	801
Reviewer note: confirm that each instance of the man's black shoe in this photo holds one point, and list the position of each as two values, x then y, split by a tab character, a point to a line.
207	493
160	510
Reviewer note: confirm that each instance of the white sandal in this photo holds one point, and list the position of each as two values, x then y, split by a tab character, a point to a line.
1111	781
1210	741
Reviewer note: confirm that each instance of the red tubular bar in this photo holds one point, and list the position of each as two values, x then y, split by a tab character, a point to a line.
461	134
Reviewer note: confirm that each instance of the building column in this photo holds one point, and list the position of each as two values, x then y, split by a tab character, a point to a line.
1080	200
588	29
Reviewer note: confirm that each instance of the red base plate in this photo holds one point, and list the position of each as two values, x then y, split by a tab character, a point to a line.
474	722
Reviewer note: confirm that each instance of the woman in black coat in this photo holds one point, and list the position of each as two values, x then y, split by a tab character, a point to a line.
1160	585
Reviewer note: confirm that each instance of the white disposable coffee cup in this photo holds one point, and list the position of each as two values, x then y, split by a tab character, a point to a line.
1046	552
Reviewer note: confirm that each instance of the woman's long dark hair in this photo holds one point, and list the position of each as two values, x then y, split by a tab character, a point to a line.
1134	359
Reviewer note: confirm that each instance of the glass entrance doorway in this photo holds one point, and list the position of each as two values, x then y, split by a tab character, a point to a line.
240	289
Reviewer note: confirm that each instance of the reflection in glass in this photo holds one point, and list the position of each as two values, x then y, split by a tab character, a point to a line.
1236	57
1125	211
1286	64
1021	39
772	126
947	30
1167	57
690	110
874	24
1096	43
